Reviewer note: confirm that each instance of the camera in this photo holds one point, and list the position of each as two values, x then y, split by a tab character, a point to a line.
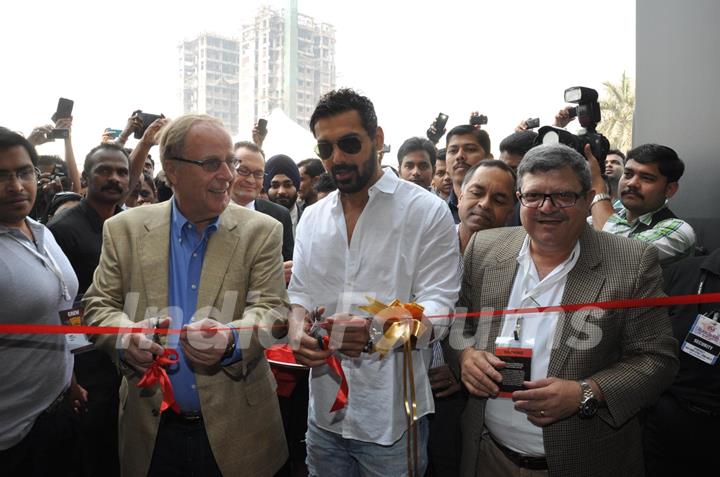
588	114
480	119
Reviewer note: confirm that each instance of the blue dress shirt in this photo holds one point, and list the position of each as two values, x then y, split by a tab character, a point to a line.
187	253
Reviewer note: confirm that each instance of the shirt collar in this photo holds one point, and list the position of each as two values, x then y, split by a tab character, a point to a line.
525	260
179	221
645	218
387	183
38	231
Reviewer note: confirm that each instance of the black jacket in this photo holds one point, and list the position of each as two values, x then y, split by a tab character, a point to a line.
281	214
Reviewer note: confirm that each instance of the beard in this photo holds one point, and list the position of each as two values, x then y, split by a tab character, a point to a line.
360	178
287	202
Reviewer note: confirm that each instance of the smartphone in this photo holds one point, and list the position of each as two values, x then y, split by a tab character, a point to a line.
532	123
58	133
64	109
114	133
440	122
262	126
147	119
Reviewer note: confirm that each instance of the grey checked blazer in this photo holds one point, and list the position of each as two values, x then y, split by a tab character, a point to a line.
634	360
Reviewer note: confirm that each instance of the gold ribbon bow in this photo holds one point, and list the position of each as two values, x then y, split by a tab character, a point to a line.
404	324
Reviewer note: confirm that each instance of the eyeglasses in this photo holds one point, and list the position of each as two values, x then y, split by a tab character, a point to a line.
211	165
561	200
259	175
347	144
27	174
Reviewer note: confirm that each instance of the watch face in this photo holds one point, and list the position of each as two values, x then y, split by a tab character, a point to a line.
589	408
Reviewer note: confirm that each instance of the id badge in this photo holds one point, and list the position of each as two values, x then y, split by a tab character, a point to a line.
77	342
703	340
518	359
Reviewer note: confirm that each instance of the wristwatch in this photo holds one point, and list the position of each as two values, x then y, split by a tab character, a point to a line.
599	197
375	334
588	402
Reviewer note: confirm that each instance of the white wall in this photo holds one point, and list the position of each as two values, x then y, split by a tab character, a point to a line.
678	100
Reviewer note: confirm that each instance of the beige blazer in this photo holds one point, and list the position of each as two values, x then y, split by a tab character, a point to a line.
635	357
238	401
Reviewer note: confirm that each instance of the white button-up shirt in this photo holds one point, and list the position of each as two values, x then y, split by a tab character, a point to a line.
404	247
509	427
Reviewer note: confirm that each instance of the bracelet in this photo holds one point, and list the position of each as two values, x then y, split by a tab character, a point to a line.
599	197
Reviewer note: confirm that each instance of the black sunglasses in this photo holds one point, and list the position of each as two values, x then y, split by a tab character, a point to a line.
347	144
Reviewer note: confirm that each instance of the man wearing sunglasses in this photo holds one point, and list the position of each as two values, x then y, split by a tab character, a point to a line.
585	374
377	236
212	272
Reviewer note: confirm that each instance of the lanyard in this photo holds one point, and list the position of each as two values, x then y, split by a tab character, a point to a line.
50	263
542	287
715	314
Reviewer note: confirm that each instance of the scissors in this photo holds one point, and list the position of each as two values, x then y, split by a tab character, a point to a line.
316	331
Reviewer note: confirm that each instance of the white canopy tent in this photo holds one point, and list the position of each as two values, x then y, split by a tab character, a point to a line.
285	136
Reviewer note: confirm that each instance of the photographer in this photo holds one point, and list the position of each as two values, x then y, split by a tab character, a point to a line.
139	162
55	175
39	136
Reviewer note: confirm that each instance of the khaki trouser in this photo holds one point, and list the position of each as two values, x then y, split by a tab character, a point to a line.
493	463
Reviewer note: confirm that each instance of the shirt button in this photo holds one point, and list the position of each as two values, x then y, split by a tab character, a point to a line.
193	286
193	386
189	226
155	412
194	255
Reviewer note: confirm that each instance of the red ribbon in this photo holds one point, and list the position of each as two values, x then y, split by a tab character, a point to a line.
341	398
18	328
156	374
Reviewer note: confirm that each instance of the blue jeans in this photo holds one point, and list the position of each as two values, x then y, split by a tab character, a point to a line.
330	455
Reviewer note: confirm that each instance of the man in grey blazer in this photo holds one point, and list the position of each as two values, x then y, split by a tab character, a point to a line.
591	370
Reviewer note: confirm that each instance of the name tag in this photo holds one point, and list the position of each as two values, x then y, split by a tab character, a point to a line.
518	363
703	340
77	342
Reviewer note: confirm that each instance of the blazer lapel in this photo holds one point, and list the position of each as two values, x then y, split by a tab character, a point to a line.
497	284
154	254
221	246
583	285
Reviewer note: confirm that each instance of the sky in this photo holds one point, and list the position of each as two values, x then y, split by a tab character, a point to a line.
508	59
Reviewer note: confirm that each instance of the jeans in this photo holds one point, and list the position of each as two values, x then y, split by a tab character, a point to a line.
331	455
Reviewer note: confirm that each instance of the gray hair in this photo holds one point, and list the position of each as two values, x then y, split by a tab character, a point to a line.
552	157
172	135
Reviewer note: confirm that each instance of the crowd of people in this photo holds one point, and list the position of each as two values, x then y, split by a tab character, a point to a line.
517	364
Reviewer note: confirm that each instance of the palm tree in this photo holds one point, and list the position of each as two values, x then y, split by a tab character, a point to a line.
617	108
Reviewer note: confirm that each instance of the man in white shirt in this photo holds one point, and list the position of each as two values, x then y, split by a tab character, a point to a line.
376	236
590	371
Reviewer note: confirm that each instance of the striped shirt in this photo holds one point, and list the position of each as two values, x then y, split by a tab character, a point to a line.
674	238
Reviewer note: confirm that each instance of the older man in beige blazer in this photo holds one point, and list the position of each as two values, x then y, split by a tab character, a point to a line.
227	421
591	370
